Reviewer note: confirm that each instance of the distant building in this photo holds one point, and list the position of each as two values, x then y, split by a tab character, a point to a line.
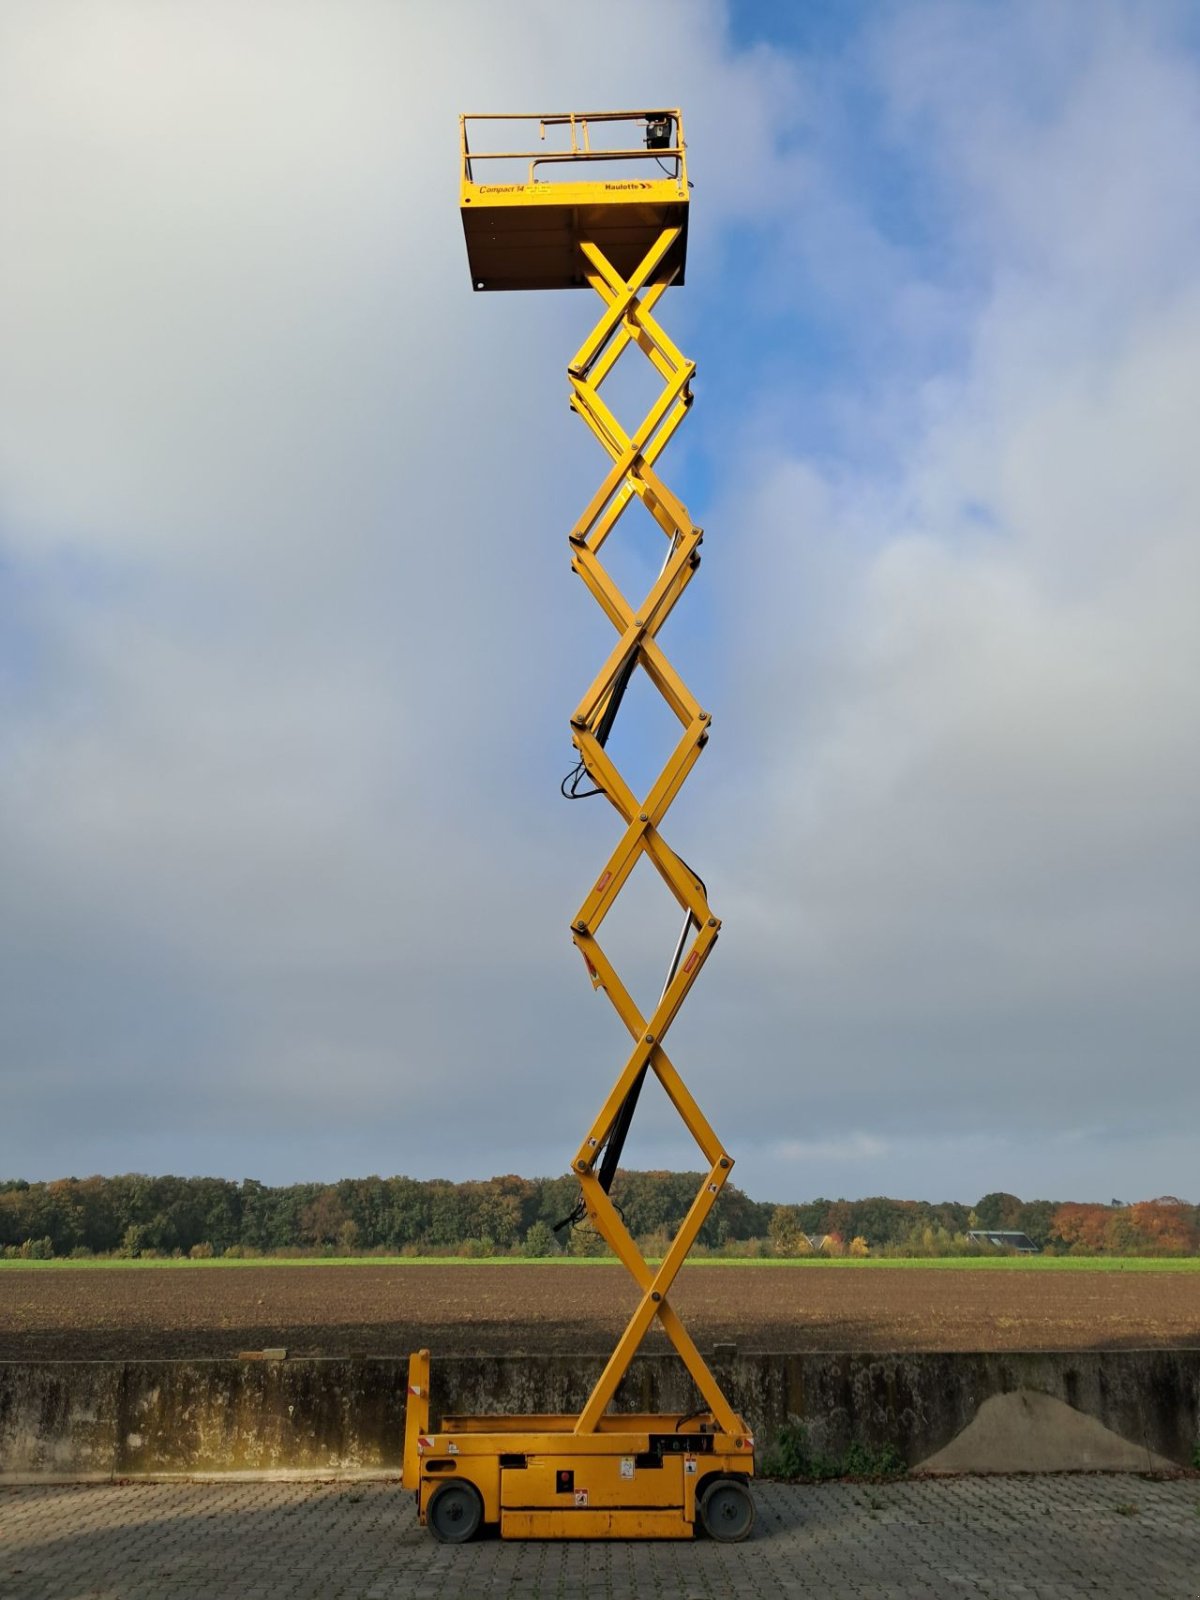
1004	1239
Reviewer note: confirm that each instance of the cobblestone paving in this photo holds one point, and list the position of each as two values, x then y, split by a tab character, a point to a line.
1033	1538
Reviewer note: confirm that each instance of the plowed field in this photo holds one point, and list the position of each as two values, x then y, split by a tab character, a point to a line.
462	1309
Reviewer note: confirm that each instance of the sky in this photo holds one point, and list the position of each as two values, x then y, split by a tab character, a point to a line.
289	640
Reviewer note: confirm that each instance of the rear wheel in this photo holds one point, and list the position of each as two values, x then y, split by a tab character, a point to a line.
726	1510
454	1512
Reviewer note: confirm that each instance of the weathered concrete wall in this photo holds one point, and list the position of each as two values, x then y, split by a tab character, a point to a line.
1135	1409
101	1419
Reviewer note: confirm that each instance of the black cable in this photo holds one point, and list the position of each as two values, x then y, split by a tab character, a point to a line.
691	1417
610	1156
693	873
574	1217
620	683
569	787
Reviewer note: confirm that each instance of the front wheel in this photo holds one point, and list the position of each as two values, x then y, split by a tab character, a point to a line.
454	1512
727	1511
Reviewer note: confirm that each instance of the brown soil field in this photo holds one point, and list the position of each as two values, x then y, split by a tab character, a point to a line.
390	1310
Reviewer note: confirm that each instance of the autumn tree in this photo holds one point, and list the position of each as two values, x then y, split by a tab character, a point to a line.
1165	1226
1082	1228
784	1231
323	1218
1000	1211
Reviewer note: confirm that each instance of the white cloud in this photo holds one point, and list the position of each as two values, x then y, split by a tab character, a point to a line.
974	875
292	641
854	1148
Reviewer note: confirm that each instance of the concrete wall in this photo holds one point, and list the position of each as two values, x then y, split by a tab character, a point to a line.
1122	1409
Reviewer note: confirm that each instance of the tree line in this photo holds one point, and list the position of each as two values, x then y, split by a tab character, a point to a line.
139	1216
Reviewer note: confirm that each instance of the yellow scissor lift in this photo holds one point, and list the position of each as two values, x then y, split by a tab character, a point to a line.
568	223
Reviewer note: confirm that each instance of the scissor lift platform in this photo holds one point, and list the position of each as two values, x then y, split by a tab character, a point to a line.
529	234
568	220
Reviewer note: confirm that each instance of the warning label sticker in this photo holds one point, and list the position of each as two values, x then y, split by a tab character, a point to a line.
581	1497
626	1468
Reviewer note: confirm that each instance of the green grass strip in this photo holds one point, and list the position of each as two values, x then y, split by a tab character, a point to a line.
739	1263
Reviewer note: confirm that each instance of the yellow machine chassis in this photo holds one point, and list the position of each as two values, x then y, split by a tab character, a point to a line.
634	1476
600	1474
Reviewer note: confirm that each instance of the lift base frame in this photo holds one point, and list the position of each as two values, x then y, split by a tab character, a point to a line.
637	1476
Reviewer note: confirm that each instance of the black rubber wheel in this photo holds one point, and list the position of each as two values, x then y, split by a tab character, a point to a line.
727	1511
454	1512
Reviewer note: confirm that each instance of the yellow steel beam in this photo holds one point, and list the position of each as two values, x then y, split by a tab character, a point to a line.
416	1417
608	1221
624	293
628	324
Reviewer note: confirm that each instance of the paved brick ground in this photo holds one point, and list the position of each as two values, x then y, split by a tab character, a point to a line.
1033	1538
